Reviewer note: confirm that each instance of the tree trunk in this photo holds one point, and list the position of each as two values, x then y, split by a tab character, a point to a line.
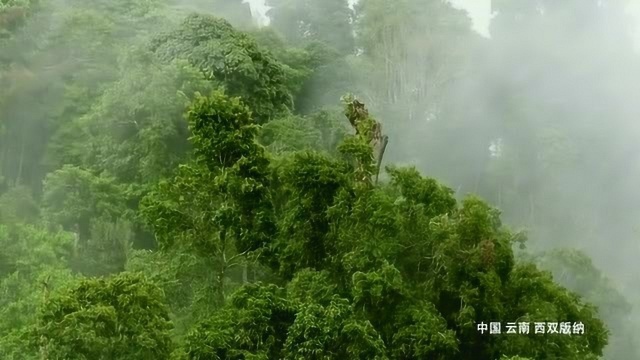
18	179
244	273
3	154
220	287
76	241
223	268
380	153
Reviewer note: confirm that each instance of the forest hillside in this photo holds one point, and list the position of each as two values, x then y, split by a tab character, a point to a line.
351	181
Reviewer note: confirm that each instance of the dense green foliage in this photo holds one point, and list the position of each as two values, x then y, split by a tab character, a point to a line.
177	184
123	317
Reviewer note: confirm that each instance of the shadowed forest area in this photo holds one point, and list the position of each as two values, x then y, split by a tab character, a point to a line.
369	180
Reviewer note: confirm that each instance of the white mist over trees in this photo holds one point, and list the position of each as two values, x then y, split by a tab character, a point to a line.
179	178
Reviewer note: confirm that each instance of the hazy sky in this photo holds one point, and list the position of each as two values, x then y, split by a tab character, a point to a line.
479	11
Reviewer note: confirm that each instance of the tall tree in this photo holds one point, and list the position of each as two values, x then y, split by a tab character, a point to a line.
304	21
232	59
414	44
218	204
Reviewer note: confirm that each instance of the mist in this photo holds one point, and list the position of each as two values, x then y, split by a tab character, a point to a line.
531	106
573	77
539	116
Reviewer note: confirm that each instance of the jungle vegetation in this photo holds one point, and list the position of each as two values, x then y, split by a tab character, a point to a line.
177	182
